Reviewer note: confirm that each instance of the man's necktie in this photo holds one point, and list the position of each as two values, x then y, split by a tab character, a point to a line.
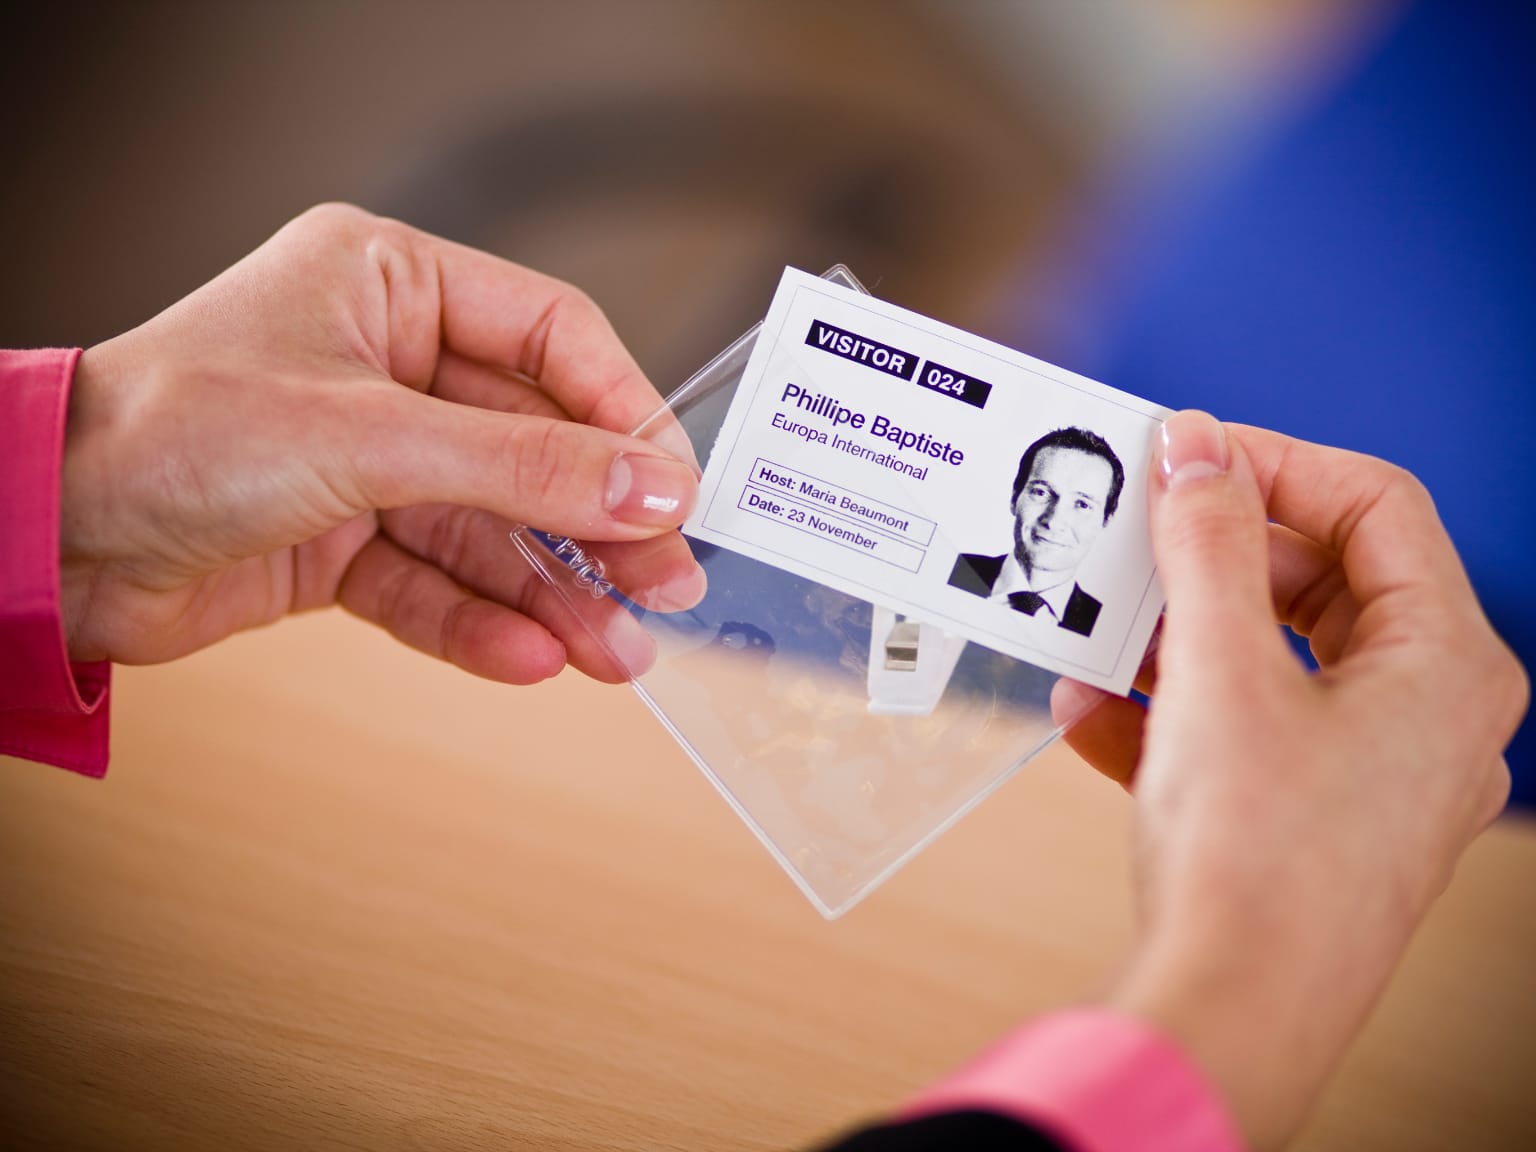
1026	602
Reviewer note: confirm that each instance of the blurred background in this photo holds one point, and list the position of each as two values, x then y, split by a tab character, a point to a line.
330	886
1309	215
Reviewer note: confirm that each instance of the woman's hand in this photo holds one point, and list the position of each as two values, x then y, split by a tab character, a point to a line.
358	413
1293	829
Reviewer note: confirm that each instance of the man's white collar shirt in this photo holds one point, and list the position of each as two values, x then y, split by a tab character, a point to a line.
1012	579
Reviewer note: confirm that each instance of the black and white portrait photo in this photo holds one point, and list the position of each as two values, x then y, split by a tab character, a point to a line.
1066	490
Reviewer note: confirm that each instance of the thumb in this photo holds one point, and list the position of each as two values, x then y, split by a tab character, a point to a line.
551	474
1210	541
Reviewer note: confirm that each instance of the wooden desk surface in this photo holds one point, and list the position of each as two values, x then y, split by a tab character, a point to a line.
335	895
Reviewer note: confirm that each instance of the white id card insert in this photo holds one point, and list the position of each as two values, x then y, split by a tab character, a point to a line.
909	533
914	465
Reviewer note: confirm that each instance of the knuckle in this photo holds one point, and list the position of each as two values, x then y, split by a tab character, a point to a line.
1514	686
1203	527
615	400
453	632
396	596
332	219
1401	486
1499	786
1328	592
535	455
1378	485
573	301
1492	685
449	538
566	307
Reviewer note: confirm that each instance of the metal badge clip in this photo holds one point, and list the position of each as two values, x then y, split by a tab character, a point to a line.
910	663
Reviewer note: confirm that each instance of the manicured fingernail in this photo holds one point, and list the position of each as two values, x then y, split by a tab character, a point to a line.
650	490
1191	446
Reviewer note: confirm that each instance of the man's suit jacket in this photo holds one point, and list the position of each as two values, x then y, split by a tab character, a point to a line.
976	575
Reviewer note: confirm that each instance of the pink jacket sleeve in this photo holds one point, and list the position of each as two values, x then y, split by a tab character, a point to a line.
51	709
1094	1081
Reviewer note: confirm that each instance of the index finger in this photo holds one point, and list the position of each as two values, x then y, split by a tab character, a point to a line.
501	313
1375	516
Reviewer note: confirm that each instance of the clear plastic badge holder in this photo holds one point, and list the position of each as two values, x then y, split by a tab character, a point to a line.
844	735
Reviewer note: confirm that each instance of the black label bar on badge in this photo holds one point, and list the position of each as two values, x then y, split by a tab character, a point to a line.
862	350
951	383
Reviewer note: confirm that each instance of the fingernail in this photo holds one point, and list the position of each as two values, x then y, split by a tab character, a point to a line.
672	437
632	645
650	490
1191	446
680	592
1072	700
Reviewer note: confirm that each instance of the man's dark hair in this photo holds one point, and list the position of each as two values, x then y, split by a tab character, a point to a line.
1079	440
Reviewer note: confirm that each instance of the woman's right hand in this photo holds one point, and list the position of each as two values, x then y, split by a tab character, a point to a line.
1293	829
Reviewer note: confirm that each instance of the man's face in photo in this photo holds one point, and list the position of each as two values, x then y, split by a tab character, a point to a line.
1060	510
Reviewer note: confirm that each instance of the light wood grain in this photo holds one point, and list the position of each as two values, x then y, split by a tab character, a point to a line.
333	895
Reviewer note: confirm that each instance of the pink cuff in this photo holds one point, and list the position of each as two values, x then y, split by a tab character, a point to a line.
50	709
1095	1081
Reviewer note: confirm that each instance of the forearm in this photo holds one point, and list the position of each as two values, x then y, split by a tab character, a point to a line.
1267	1029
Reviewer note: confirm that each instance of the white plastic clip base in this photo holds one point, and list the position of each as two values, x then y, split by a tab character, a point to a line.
910	664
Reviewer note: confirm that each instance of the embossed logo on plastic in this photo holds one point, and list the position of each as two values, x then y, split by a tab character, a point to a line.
588	570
